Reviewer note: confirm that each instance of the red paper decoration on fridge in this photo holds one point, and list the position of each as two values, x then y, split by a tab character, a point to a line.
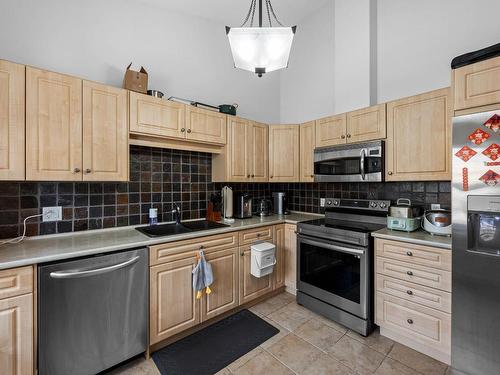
465	153
490	178
493	123
493	151
478	136
465	179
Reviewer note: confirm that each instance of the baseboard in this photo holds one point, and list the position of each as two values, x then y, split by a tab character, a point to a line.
436	354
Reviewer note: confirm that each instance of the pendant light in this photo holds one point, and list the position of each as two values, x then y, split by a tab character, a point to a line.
260	49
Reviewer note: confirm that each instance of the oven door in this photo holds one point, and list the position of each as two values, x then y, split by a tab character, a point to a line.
335	273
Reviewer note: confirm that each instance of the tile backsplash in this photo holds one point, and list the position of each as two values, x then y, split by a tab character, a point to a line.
160	177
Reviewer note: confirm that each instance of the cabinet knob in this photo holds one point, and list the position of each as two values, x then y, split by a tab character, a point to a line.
248	176
342	136
271	176
189	130
348	136
389	173
88	170
253	176
242	254
76	170
409	253
201	247
410	321
409	273
312	175
409	292
183	130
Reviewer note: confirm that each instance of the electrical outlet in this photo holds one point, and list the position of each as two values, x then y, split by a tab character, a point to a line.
52	213
435	206
322	202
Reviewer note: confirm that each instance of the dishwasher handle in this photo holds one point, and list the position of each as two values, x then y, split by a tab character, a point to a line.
97	271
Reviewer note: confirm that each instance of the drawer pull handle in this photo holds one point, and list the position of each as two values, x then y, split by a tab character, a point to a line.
409	253
409	292
410	321
409	273
258	234
202	247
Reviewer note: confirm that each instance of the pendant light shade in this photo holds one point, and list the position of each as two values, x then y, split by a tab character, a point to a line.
260	49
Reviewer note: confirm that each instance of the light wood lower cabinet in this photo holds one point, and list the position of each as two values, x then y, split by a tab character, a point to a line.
16	321
307	145
251	287
284	153
280	267
173	304
418	144
291	258
12	113
224	295
53	126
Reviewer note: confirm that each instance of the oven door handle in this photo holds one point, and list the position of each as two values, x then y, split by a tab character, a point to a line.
362	164
328	246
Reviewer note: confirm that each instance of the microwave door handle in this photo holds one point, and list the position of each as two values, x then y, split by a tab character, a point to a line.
97	271
342	249
362	164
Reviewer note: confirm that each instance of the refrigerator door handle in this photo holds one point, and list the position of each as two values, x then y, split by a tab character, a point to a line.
97	271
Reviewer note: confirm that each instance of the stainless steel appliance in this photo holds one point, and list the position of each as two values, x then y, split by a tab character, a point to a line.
264	208
362	162
227	203
243	206
476	244
92	312
280	203
335	261
437	222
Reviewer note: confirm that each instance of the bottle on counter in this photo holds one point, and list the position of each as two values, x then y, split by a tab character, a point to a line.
153	216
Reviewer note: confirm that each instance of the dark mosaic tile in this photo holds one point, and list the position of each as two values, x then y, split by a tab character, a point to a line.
64	226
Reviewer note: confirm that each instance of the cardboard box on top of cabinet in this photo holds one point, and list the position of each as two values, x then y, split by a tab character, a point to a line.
136	81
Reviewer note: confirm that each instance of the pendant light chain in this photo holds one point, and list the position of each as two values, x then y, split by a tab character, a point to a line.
274	14
270	12
251	12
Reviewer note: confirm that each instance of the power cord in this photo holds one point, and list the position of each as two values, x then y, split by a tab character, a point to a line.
19	239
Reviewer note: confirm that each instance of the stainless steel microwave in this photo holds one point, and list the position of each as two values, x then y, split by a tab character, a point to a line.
362	162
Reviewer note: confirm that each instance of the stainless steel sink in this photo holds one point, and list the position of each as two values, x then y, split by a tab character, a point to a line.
172	229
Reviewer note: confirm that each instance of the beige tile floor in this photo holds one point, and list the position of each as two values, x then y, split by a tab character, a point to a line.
309	344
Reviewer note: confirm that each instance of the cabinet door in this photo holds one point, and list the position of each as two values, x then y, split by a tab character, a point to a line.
366	124
173	304
258	151
419	137
477	84
53	126
284	153
279	268
224	296
251	287
291	257
105	133
237	162
16	335
157	117
12	107
205	126
331	130
307	145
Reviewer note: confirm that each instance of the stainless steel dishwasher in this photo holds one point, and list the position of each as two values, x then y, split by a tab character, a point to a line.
92	312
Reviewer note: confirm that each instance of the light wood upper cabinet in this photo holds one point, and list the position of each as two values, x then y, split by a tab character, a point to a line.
258	151
307	145
205	126
477	84
331	131
238	145
173	303
105	133
154	116
284	153
224	295
419	137
12	109
366	124
251	287
279	268
53	126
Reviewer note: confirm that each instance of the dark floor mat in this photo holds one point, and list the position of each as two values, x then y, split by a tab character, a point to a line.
210	350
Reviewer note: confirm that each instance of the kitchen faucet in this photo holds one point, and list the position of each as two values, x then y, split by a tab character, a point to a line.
177	213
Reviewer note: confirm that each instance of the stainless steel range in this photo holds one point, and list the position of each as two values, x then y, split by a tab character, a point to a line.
335	261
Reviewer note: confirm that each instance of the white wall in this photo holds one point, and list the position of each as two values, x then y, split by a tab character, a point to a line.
307	86
185	55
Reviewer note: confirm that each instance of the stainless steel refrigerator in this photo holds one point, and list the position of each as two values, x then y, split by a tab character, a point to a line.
476	244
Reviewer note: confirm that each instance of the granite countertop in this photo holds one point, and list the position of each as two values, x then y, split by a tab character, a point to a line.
419	237
50	248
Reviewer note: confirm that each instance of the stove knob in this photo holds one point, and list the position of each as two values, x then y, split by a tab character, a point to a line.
373	204
383	205
329	202
336	202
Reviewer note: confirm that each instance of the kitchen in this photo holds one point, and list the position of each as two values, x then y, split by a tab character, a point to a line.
321	187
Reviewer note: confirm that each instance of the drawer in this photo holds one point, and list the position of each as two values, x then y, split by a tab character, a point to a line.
416	293
16	281
414	273
415	254
418	323
248	237
172	251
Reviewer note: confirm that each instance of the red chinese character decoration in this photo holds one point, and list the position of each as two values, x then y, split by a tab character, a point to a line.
465	179
493	151
465	153
493	123
490	178
478	136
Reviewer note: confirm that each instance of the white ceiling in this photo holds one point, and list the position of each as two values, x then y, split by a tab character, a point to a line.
233	12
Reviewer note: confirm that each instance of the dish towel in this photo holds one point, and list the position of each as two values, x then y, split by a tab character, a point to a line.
202	275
